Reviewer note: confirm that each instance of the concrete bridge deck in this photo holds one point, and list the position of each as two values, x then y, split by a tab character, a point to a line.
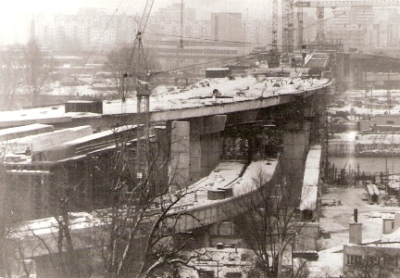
241	94
223	194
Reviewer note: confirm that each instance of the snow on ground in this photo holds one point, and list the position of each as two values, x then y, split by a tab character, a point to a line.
329	264
337	218
336	221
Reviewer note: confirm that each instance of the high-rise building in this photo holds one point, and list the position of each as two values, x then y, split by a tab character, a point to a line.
350	26
82	31
172	22
256	34
227	27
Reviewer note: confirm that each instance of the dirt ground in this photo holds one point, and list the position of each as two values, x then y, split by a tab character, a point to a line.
335	219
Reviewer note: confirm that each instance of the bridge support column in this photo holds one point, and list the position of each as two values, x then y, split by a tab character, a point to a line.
205	145
195	149
195	154
178	168
295	148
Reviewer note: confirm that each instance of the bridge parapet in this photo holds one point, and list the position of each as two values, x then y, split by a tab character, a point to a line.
197	210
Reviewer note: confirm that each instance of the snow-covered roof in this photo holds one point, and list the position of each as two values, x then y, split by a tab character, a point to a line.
327	265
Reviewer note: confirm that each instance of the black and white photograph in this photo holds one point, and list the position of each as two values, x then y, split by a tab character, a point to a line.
200	139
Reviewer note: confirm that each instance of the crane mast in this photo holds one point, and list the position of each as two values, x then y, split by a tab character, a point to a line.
320	39
287	31
300	27
275	25
181	39
273	60
143	101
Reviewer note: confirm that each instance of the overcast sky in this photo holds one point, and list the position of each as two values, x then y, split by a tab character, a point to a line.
10	7
13	11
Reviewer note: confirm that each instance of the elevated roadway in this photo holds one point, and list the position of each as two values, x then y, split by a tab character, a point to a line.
200	121
166	104
204	122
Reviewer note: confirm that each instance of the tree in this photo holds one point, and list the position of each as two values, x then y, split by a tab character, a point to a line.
376	263
37	70
11	76
130	234
52	246
126	64
5	221
270	226
139	241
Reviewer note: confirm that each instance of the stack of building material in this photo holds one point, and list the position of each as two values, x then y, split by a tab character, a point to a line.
48	140
22	131
85	144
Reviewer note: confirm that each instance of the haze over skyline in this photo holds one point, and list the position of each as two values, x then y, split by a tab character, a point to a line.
16	13
28	7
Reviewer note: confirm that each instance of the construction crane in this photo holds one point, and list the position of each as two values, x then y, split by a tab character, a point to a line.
143	100
288	27
273	60
181	39
287	32
275	25
321	5
180	45
300	26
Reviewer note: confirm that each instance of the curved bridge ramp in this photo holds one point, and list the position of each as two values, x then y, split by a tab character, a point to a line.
223	194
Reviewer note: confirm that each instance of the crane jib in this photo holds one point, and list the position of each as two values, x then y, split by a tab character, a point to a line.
346	3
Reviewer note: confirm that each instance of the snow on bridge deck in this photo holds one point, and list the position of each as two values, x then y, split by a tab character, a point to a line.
167	103
200	208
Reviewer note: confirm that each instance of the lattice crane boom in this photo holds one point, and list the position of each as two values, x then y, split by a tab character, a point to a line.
288	28
274	57
141	27
275	25
300	26
345	3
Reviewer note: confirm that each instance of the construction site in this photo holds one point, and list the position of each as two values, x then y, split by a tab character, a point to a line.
164	182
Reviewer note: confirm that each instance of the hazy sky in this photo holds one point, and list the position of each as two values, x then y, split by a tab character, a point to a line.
13	11
10	7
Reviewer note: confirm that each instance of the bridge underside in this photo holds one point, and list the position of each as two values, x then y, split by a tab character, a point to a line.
285	130
352	69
